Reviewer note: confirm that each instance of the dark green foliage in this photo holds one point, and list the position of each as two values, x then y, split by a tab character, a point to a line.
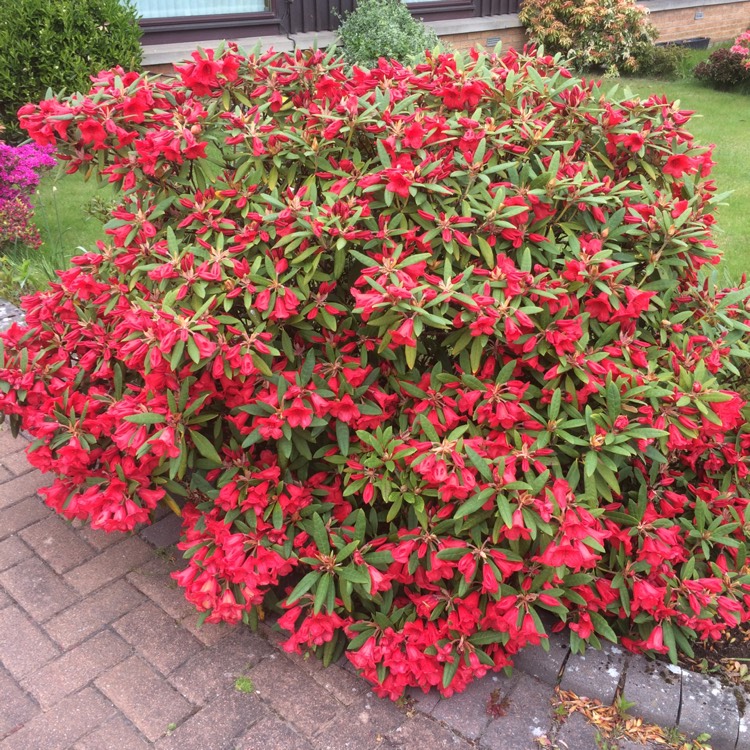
58	44
383	28
724	69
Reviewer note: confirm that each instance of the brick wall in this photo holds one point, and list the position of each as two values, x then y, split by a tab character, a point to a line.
720	23
509	37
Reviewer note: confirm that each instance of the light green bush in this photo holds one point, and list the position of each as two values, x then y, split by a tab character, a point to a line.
383	28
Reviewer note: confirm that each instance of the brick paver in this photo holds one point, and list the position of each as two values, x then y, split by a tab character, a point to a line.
157	637
114	562
12	551
92	613
57	543
76	668
24	486
16	707
58	729
24	647
36	587
100	651
117	734
144	696
20	515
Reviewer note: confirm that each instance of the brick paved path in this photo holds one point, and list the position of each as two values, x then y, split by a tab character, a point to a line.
99	651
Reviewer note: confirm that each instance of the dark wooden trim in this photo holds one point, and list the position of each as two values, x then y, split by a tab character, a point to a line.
303	16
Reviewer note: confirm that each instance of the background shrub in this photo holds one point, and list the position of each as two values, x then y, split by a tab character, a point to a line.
668	61
383	28
724	69
421	353
602	35
20	171
58	44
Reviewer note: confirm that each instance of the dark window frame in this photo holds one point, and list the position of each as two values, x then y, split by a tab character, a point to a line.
226	20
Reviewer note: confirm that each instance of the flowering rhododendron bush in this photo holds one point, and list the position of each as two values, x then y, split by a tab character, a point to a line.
420	354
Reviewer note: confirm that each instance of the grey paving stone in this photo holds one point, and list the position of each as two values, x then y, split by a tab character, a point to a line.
116	734
157	637
92	613
154	581
76	668
145	697
271	734
164	533
112	563
654	688
215	669
594	674
421	701
709	707
343	685
287	690
743	735
22	487
17	462
216	726
57	543
577	734
59	729
209	634
544	665
16	707
24	648
38	589
12	551
97	538
23	514
361	725
466	712
529	717
424	733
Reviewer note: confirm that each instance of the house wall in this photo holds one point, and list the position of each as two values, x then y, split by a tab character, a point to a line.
720	22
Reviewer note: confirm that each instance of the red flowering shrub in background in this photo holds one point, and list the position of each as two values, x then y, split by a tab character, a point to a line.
422	353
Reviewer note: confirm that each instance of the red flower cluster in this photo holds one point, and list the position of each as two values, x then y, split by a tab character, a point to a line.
421	354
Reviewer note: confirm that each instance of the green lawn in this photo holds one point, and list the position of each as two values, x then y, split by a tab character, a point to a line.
723	119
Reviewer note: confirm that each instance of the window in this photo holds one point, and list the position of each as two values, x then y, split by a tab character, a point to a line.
187	8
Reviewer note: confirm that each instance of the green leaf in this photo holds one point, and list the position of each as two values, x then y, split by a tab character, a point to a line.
320	535
450	669
602	626
304	586
342	437
205	447
473	504
145	418
479	463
